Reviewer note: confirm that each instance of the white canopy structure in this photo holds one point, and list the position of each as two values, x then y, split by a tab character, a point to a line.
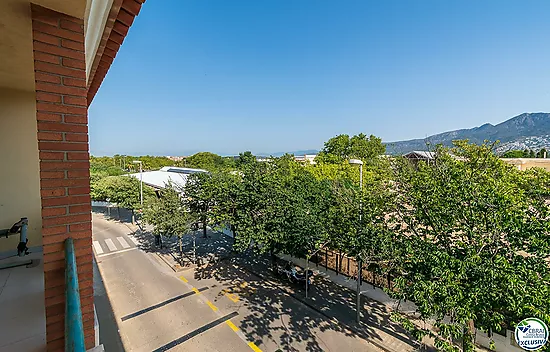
169	174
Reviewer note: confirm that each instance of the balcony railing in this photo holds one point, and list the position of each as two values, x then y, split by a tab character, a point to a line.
74	329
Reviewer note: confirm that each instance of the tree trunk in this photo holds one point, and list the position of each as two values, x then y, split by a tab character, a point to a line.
468	337
233	232
358	303
204	228
273	258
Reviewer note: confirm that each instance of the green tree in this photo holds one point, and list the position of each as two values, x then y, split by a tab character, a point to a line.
515	154
342	148
244	159
228	202
199	193
474	242
260	212
206	160
275	207
168	214
122	190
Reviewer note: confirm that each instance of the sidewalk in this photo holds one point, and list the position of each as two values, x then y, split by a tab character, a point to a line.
335	302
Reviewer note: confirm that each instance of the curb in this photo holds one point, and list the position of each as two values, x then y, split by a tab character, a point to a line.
176	268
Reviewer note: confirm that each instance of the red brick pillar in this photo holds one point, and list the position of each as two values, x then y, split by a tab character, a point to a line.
62	120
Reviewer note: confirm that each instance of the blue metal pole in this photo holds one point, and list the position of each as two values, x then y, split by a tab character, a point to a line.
74	330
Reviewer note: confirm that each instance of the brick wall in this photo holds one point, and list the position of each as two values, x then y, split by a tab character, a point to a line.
62	120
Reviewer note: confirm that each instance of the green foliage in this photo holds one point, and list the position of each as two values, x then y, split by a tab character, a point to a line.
465	237
285	208
525	154
341	148
122	190
199	191
101	167
149	162
245	159
475	239
209	161
516	154
168	213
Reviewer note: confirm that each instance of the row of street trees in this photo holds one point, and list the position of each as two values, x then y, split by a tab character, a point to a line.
526	153
465	238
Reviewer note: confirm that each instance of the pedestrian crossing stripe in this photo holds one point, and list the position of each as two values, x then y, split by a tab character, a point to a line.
123	242
110	244
97	247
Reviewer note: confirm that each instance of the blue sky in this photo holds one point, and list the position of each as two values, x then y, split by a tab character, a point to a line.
284	75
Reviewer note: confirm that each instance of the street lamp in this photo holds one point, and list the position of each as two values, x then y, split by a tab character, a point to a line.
360	163
359	263
140	181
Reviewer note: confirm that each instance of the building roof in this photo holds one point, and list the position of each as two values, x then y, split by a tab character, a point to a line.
420	154
167	175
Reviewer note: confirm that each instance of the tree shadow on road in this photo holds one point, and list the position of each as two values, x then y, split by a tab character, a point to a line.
114	213
278	310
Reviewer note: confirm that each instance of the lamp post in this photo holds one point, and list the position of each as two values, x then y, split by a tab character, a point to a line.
140	181
359	263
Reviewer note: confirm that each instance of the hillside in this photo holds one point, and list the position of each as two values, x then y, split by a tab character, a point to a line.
525	131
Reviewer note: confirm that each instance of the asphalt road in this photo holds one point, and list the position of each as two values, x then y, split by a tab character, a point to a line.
217	307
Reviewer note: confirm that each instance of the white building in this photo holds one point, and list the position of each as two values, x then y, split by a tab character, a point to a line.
308	158
169	174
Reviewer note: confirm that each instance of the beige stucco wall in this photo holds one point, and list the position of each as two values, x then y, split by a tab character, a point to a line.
19	166
528	163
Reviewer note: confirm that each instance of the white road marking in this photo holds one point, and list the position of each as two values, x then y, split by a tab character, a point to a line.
110	244
123	242
133	239
117	252
97	247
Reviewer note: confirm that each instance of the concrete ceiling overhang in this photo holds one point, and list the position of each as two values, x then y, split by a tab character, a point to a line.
118	23
106	24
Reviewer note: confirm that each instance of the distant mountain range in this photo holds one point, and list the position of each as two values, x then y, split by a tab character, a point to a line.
525	131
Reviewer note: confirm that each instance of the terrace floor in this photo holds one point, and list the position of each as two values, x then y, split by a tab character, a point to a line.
22	312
